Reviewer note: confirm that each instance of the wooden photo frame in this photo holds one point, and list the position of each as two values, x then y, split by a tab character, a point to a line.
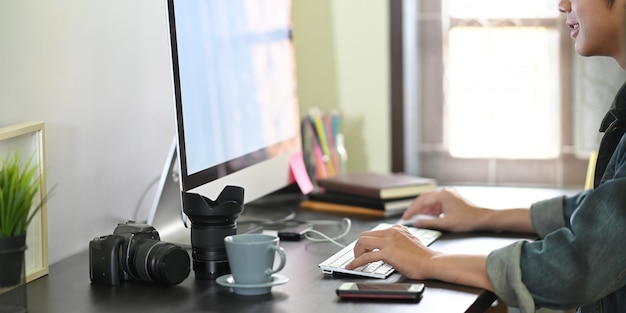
28	139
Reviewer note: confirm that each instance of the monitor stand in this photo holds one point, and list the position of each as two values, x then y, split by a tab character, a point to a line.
166	214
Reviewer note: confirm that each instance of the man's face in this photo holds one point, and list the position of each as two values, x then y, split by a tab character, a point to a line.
596	28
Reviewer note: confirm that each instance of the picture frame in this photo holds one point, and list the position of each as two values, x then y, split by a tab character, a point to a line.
28	139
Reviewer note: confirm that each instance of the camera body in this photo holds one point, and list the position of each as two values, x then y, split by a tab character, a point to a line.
135	252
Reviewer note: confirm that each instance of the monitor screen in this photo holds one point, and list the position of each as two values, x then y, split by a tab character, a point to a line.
237	112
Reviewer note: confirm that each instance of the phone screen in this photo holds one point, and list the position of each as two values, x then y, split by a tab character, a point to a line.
382	287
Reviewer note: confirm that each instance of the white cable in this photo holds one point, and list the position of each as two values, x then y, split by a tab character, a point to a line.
325	237
267	222
143	196
326	222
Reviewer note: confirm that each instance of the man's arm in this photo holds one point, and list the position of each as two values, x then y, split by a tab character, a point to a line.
452	212
399	248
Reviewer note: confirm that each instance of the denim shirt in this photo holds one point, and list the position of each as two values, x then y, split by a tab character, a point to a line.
580	258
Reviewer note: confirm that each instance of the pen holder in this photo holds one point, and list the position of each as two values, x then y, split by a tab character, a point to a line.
324	150
12	275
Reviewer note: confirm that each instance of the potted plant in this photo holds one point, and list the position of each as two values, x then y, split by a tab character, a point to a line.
19	186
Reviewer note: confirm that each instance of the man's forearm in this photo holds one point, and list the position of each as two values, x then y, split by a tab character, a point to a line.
468	270
508	220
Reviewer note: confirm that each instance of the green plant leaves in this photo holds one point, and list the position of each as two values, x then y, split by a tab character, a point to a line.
19	185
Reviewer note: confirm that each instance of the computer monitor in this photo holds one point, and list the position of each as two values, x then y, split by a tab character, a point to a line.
237	115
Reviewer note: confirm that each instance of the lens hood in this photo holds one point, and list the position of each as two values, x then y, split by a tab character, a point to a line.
226	208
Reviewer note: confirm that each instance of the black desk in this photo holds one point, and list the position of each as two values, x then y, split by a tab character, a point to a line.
68	289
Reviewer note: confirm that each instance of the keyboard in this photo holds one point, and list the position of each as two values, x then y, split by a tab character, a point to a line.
337	262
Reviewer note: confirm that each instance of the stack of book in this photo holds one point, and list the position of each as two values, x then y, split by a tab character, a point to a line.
368	193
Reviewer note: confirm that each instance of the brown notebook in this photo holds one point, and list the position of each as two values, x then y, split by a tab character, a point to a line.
378	185
329	207
400	204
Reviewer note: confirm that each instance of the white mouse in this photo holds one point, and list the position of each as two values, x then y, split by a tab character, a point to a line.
410	221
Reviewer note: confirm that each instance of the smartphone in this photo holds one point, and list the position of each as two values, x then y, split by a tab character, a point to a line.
381	291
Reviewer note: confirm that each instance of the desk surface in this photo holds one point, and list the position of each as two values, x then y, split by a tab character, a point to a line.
67	288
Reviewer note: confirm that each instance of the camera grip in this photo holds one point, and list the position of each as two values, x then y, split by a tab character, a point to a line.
104	260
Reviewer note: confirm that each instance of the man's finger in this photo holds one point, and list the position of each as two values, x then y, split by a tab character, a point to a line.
365	258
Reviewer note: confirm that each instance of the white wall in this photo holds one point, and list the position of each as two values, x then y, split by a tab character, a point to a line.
98	74
342	52
362	47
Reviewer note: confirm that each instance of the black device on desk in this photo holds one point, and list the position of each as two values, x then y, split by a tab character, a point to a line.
135	252
380	291
294	232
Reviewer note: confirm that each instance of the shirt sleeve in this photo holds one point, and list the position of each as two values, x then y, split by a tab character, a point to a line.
574	264
547	215
505	273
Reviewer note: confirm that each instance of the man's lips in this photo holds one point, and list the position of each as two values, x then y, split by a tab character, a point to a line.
574	26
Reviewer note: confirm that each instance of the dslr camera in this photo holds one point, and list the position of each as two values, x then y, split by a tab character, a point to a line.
135	252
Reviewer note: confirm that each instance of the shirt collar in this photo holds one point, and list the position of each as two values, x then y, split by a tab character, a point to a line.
617	110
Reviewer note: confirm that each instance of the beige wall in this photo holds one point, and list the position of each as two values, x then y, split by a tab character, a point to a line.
343	64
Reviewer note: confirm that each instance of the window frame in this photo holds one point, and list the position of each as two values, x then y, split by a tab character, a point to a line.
434	161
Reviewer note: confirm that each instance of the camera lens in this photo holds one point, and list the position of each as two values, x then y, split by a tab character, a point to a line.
211	222
209	252
159	262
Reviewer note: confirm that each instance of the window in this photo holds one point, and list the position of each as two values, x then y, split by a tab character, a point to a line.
502	75
495	93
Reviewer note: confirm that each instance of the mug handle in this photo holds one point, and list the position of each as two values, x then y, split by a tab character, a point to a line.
283	259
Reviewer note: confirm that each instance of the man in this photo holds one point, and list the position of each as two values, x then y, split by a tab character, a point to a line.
580	260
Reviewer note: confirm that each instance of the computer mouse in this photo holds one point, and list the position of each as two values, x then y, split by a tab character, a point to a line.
411	221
